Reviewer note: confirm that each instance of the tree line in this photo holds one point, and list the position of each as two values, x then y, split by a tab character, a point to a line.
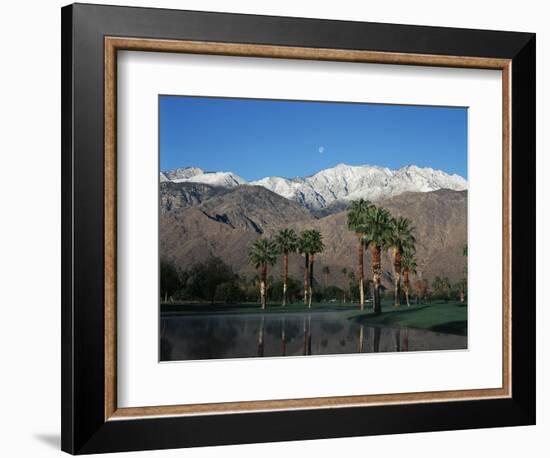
375	229
214	281
264	252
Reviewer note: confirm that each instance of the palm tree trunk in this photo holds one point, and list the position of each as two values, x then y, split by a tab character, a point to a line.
376	272
406	286
397	277
306	278
311	260
361	276
263	285
285	278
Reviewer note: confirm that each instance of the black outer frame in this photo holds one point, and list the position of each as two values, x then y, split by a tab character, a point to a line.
84	429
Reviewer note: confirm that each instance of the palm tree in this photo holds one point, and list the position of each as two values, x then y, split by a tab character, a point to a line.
287	242
400	239
441	286
304	245
377	236
421	287
316	246
357	213
262	253
408	264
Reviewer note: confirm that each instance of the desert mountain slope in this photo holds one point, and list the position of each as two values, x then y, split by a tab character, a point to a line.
174	196
255	208
226	223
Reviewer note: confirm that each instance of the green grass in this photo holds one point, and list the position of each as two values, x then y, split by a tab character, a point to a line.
207	308
445	317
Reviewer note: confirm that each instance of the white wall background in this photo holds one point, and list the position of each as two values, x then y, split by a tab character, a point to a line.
30	225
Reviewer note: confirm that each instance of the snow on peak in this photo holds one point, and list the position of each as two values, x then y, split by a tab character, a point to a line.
341	182
223	179
197	175
348	182
181	174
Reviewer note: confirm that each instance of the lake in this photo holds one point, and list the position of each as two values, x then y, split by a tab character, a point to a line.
219	335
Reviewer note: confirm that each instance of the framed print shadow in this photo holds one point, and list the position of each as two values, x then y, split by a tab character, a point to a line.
272	221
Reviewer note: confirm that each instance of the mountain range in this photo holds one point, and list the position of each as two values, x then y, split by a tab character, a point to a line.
199	219
331	187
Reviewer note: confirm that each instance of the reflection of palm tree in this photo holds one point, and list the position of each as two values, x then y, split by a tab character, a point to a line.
376	340
361	337
287	242
400	239
307	335
261	337
357	212
376	235
283	336
398	339
408	264
262	253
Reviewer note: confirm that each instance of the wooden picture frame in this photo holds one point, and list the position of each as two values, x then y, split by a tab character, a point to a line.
91	420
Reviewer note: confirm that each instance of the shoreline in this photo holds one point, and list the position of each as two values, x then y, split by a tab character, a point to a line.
444	317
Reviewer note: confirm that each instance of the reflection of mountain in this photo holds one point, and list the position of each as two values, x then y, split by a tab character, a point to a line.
198	220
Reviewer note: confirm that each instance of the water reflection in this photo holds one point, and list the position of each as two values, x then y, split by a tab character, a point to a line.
290	334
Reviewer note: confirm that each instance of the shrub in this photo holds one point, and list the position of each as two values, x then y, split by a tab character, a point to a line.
228	292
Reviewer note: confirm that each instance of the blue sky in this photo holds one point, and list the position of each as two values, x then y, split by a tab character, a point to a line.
258	138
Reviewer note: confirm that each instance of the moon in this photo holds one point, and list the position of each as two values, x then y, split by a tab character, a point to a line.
321	149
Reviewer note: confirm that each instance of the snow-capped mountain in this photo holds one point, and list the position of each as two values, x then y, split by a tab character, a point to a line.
340	183
197	175
181	174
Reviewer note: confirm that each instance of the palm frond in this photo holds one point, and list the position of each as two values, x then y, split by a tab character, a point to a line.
286	241
262	252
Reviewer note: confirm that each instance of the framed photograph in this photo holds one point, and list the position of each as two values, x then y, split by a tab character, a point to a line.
271	222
